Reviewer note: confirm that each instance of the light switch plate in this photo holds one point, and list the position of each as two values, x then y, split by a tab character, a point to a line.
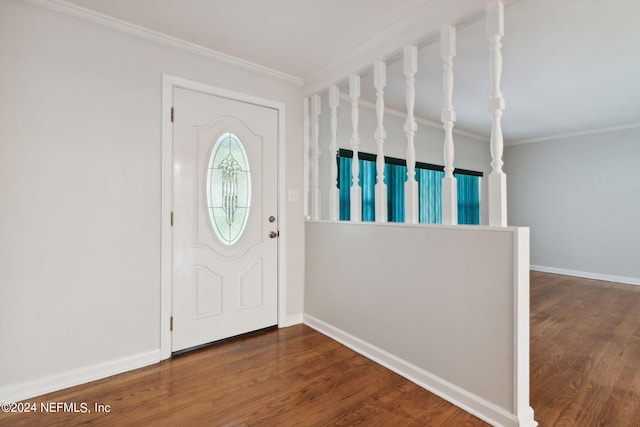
293	196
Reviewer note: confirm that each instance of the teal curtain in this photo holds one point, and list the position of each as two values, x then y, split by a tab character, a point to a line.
368	182
429	193
429	196
468	199
367	179
395	176
344	185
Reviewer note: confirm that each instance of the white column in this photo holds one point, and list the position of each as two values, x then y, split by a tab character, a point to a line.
380	81
449	183
410	128
356	191
315	156
307	160
334	193
497	178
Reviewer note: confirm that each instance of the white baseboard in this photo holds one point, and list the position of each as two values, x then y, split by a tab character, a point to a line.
30	389
586	275
471	403
295	319
33	388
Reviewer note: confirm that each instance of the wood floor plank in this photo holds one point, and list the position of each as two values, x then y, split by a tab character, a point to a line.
585	371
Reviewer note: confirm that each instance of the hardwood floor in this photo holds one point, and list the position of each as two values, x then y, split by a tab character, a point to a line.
585	352
585	371
292	376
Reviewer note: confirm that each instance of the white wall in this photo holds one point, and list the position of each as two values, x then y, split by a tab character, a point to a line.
429	145
581	197
80	185
447	307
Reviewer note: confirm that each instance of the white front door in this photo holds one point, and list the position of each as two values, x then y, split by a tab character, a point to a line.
225	220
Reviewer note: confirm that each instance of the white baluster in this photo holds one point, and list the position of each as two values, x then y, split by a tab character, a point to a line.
315	155
334	193
356	191
497	178
410	128
380	81
449	183
307	160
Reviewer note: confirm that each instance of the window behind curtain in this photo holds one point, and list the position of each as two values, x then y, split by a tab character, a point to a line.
429	178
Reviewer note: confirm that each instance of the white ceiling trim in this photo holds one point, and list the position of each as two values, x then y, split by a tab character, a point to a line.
574	134
425	122
145	33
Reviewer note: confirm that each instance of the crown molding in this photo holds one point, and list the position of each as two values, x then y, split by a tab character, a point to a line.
425	122
155	36
574	134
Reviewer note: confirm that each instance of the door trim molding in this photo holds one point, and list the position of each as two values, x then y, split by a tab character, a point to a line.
169	82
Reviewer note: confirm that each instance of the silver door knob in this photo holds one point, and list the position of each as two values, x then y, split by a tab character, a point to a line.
273	234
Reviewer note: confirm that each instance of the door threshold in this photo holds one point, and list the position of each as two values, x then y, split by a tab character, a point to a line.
224	340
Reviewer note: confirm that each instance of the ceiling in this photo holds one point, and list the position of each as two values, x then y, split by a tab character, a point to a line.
570	66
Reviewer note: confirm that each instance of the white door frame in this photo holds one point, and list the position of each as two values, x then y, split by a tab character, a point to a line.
166	274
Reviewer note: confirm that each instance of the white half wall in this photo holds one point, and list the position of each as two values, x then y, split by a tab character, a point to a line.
447	307
580	196
80	191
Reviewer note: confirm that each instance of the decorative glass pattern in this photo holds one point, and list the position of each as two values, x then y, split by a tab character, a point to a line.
228	188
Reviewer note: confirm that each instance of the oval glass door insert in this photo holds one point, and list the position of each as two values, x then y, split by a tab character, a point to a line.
228	188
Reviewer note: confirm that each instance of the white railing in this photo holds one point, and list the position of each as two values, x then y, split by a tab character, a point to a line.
380	81
497	178
398	269
334	195
449	184
356	191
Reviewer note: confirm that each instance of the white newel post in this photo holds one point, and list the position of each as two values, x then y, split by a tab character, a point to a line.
449	183
410	128
315	154
380	81
334	193
307	159
356	192
497	178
